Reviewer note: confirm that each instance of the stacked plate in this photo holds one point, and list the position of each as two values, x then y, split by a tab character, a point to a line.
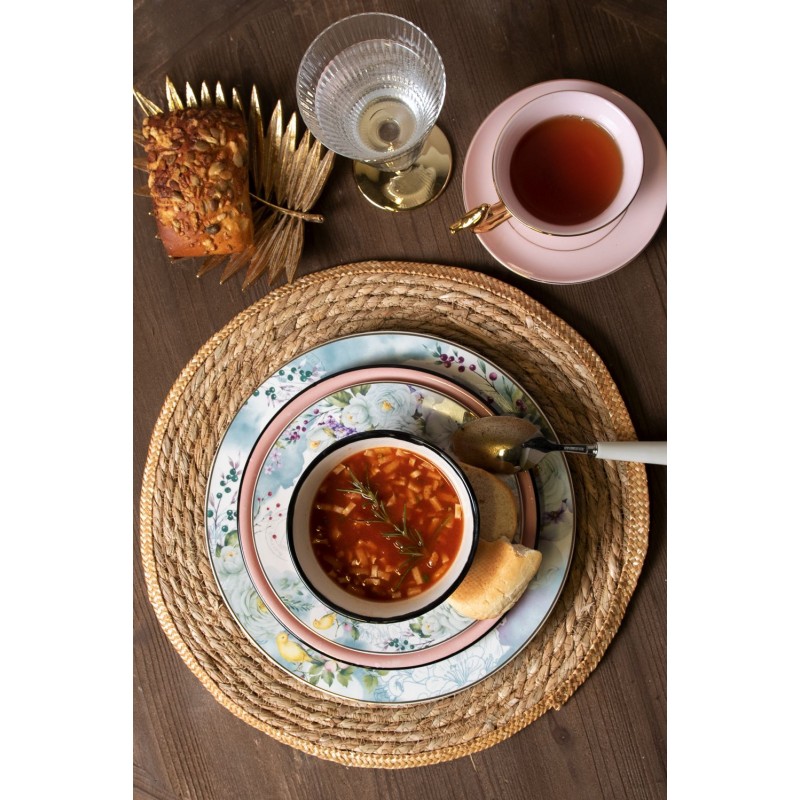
399	381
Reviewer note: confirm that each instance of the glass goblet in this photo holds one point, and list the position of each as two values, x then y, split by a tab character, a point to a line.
370	87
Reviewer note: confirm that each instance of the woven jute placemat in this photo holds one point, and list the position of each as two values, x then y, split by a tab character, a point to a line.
547	357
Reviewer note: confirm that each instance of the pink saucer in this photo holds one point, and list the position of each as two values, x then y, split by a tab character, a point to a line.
573	259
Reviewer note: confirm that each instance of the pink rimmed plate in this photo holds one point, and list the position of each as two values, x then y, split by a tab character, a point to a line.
397	398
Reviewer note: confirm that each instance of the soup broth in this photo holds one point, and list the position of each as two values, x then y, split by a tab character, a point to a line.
566	170
386	524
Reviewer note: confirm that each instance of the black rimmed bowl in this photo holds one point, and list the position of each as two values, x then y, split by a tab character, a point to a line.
327	581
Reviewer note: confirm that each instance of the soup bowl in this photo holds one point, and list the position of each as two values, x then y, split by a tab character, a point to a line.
382	526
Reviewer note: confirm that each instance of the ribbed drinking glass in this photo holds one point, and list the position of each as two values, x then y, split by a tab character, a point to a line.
370	87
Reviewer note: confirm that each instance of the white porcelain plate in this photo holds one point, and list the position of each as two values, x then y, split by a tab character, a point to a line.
568	259
556	523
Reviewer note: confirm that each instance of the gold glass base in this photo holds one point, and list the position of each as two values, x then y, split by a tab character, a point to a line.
417	186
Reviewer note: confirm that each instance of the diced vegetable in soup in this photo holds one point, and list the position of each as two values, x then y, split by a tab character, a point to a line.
386	524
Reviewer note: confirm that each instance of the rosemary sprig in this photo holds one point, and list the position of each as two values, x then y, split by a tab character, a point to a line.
438	530
404	569
407	540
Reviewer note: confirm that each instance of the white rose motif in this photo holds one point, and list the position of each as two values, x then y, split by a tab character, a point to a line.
450	620
440	427
320	438
357	413
391	406
248	607
431	624
231	559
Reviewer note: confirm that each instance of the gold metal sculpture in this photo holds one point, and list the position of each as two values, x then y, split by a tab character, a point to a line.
286	180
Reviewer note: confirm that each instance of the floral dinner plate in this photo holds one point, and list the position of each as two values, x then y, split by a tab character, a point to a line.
556	523
400	398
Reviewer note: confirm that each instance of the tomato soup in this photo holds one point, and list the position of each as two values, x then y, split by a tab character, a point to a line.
386	524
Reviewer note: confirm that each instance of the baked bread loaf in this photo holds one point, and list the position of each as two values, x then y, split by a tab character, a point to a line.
199	181
499	574
496	503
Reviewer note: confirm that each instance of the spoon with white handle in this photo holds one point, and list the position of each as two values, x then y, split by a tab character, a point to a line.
510	444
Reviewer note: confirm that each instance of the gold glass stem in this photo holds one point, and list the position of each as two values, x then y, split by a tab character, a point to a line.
414	187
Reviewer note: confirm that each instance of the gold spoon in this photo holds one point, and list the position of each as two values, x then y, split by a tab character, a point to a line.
510	444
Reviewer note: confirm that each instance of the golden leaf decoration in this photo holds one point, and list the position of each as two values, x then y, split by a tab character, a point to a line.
286	178
174	102
236	102
256	139
191	98
205	96
149	107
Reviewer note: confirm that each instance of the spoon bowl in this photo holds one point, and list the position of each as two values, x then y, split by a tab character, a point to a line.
495	444
511	444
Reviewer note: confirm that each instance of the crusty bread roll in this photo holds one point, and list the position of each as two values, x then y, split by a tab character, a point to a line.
496	504
199	181
498	576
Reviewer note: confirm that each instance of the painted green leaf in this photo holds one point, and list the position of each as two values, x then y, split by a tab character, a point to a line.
341	399
370	682
231	538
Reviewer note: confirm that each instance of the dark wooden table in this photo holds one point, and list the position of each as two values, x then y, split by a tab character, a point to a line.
609	740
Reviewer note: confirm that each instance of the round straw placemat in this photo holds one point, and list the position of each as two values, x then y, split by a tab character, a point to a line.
549	359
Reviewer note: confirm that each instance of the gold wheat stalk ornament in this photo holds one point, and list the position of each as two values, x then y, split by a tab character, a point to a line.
286	180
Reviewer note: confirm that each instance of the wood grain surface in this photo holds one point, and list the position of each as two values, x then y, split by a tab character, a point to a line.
609	740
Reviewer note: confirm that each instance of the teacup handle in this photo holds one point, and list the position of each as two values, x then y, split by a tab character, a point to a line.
483	218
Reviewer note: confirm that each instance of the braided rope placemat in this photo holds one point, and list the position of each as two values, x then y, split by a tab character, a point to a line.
573	389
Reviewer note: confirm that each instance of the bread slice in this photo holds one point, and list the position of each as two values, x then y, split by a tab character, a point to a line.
498	576
496	503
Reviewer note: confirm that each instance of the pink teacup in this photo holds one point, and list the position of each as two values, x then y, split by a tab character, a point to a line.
566	164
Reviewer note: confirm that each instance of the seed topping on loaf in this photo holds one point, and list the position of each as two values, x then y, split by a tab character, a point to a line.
198	179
